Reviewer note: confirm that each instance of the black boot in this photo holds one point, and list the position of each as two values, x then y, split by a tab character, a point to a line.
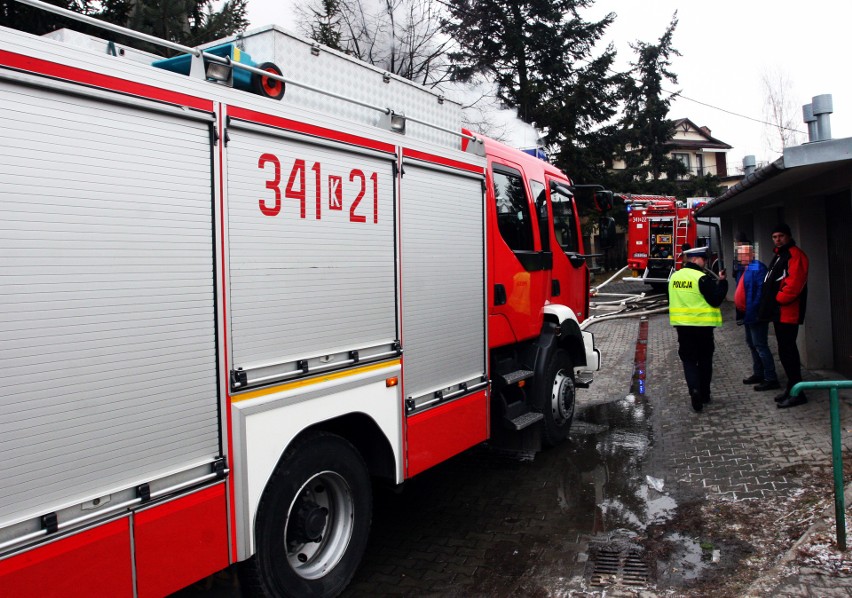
792	401
695	398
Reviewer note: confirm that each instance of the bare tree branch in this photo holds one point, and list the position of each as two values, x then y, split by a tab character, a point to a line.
780	110
403	37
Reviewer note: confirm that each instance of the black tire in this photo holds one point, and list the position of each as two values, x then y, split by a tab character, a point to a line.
555	398
312	522
265	86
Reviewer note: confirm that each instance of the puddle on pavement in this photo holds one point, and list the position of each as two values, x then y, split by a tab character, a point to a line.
640	359
612	442
482	524
687	561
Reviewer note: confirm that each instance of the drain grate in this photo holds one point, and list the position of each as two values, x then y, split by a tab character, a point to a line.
613	566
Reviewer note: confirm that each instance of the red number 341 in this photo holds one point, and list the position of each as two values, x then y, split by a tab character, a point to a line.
296	188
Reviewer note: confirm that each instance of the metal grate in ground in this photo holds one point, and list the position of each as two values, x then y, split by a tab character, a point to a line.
613	565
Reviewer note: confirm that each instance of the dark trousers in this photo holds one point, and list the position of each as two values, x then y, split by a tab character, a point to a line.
695	349
788	352
763	364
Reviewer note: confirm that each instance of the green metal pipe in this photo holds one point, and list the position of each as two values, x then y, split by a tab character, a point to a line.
836	449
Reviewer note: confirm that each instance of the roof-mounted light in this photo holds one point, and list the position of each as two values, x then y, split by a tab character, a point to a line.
393	121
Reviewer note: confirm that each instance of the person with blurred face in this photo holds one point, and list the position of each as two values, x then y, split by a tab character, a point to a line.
747	300
785	295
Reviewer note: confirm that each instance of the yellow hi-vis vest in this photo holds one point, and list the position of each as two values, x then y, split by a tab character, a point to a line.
687	306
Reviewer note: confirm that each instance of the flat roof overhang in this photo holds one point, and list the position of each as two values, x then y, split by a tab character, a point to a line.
814	168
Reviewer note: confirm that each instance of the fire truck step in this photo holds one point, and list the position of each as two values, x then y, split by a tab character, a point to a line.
525	420
516	376
583	379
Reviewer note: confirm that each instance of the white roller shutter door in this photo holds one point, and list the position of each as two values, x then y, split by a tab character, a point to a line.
311	228
107	308
443	282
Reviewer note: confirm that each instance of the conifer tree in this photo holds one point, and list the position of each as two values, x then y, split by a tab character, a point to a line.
646	130
326	23
188	22
540	53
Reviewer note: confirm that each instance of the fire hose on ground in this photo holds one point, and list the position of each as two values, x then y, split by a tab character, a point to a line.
626	305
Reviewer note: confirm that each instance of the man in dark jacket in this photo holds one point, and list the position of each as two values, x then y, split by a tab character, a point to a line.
785	294
694	300
747	300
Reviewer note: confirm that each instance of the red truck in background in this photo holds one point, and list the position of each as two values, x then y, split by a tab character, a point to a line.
658	227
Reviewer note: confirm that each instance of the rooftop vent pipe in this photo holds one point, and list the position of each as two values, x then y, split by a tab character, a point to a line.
811	121
749	164
823	108
817	116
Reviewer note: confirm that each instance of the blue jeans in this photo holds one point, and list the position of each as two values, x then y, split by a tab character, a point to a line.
763	364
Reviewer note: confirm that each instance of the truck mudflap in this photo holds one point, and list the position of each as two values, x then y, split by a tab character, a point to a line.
584	376
583	373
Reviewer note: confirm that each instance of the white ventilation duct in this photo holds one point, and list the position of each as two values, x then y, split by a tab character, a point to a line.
817	115
811	121
823	108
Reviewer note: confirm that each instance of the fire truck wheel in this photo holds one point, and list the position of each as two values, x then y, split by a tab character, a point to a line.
266	86
312	522
556	398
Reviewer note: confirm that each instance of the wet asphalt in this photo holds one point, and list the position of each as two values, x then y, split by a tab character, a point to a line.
571	521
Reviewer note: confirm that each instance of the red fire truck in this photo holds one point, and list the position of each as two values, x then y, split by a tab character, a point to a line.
225	312
657	228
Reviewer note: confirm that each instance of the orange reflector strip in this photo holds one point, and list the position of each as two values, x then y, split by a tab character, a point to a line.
393	381
522	383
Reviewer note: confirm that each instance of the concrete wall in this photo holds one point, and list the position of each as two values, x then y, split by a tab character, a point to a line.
807	220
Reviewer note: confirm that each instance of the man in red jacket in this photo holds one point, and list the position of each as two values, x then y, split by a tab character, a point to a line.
784	297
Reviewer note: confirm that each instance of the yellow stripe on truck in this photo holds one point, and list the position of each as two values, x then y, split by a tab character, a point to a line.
254	394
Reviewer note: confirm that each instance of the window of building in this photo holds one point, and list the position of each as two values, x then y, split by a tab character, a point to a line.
684	159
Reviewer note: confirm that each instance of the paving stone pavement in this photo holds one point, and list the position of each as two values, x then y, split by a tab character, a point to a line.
741	445
738	448
481	526
738	445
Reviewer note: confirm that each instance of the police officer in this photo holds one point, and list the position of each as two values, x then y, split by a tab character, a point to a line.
694	299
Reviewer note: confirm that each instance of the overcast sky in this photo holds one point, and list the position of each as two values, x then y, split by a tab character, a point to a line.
726	47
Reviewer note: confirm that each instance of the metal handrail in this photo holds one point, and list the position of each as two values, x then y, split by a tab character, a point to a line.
836	446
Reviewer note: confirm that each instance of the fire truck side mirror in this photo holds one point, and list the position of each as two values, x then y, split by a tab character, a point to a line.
603	200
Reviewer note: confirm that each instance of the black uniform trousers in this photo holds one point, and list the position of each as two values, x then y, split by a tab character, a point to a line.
695	349
788	352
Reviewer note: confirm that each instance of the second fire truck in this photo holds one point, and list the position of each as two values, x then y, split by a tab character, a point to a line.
658	227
